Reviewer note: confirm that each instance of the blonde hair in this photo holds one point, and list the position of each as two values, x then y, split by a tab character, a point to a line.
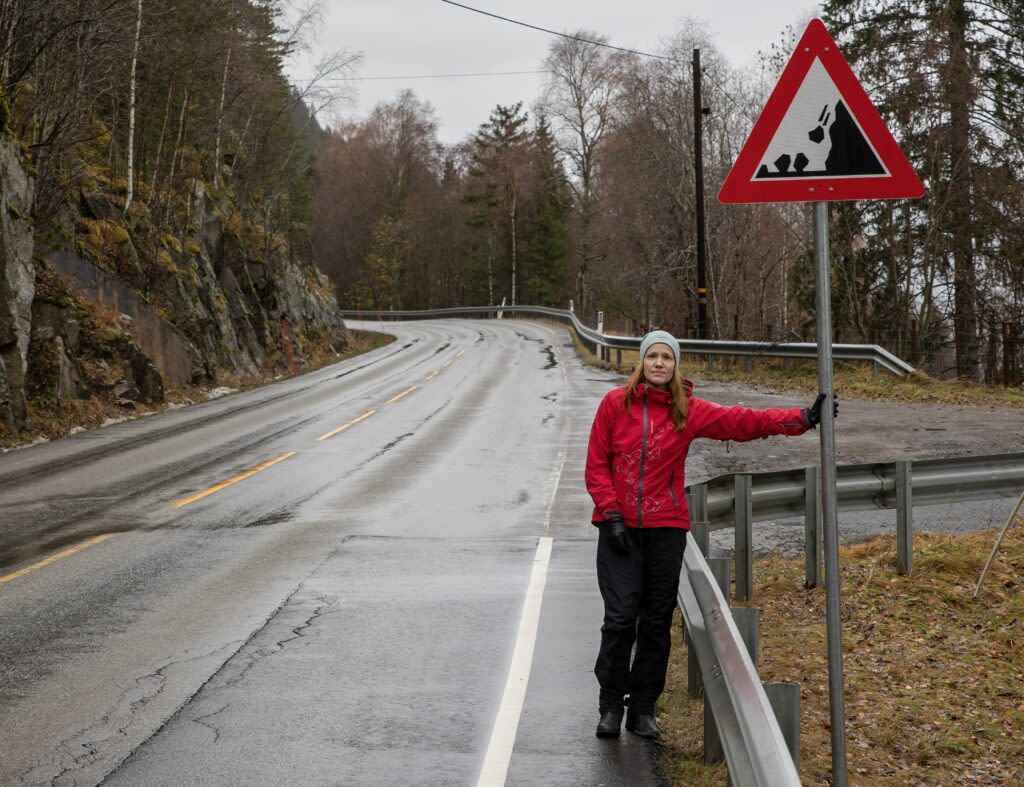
680	388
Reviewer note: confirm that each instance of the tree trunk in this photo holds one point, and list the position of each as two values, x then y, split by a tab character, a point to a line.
220	121
130	169
174	153
490	264
961	224
160	145
512	219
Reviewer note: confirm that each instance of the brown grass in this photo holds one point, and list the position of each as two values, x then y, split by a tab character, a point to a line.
934	678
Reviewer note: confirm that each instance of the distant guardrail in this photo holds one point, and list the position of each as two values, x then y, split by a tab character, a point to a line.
602	344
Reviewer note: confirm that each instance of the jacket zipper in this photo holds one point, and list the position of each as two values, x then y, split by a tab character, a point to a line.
671	491
640	483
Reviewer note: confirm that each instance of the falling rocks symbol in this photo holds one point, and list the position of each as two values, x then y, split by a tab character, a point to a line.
850	153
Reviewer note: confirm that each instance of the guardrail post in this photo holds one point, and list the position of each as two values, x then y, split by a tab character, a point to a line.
712	743
719	567
698	503
618	356
744	538
785	701
876	369
748	621
694	684
904	519
813	530
711	363
748	364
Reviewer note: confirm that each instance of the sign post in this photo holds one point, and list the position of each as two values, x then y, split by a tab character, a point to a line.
819	138
829	513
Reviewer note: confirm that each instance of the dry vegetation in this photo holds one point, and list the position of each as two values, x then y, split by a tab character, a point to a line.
934	678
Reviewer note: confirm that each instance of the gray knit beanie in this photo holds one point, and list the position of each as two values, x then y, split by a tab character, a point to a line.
659	337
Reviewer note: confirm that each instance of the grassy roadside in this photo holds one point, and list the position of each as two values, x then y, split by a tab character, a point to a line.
851	379
934	678
100	409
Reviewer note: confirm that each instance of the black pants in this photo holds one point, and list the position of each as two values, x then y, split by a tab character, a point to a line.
639	592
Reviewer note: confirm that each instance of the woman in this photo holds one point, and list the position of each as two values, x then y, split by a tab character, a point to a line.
635	474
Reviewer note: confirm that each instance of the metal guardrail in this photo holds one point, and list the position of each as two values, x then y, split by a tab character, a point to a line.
601	343
751	739
863	487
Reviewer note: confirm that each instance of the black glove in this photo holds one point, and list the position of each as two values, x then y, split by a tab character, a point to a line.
617	532
812	414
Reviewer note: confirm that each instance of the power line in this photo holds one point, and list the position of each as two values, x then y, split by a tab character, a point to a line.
729	96
562	35
421	76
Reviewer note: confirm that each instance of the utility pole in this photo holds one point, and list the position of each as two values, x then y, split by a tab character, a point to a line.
698	170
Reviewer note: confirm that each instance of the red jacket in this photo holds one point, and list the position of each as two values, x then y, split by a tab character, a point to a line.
636	461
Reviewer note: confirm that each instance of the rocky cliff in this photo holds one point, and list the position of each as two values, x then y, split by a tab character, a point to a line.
104	304
17	282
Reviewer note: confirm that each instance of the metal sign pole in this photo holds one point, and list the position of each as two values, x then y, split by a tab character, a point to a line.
829	508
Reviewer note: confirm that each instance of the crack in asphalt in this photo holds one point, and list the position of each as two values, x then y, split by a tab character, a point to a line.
114	723
224	665
201	721
262	653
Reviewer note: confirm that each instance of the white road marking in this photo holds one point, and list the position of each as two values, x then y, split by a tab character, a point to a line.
503	735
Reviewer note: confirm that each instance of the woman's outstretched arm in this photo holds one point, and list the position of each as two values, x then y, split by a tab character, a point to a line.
718	422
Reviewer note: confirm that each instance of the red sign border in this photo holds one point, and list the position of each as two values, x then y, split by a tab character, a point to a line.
901	182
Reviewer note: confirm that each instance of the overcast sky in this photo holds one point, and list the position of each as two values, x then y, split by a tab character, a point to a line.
421	38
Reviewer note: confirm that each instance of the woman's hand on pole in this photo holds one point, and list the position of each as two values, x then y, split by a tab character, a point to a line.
812	414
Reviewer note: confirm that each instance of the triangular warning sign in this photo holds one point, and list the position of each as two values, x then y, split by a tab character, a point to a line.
819	137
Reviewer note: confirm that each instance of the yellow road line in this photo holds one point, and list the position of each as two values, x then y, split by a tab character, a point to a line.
54	558
432	375
343	427
406	392
231	481
460	352
448	363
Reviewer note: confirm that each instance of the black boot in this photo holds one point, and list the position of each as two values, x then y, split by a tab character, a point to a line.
609	725
642	724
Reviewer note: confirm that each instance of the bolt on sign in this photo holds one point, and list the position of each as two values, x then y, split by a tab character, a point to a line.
819	137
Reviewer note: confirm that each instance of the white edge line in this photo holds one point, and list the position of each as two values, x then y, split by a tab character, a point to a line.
506	723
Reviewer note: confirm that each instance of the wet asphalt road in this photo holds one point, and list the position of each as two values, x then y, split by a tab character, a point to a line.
345	616
348	614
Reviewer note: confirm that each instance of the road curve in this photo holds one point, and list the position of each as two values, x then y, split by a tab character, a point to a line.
347	613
